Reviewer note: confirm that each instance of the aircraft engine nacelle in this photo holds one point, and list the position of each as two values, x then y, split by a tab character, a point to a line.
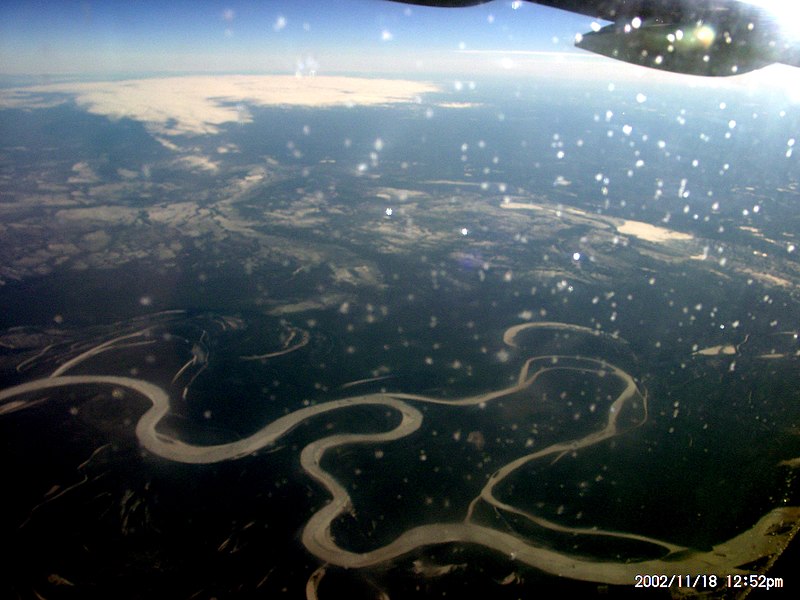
711	47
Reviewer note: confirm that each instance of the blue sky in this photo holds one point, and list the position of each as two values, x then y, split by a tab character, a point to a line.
106	37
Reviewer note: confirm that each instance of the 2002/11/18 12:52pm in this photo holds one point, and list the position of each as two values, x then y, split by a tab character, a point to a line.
739	581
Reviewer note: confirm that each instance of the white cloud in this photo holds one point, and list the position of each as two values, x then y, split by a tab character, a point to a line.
83	174
199	163
202	104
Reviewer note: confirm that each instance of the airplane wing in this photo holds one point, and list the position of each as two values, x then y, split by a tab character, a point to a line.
698	37
607	10
611	10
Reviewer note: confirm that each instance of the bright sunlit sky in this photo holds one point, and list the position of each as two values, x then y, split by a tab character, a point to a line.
128	37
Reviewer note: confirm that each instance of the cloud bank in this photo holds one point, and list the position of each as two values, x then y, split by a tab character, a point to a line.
202	104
